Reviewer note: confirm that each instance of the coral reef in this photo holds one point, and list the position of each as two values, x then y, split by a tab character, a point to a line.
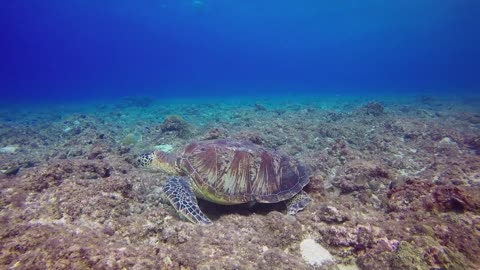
395	185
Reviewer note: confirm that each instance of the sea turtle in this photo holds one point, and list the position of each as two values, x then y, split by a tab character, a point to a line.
228	172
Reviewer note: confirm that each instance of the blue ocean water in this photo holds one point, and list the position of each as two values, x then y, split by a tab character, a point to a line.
59	50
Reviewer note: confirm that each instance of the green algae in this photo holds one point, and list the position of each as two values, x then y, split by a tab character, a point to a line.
426	253
131	139
408	257
444	257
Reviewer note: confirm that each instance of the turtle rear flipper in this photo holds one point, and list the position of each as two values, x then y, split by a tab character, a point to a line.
181	196
298	203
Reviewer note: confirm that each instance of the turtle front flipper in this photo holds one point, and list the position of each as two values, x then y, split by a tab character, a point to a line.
181	196
298	203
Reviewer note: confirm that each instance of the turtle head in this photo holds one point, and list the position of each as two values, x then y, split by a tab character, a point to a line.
158	161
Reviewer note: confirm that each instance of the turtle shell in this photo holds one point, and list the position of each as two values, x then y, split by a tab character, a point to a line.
234	172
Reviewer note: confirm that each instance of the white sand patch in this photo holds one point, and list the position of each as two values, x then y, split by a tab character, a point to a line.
9	149
314	254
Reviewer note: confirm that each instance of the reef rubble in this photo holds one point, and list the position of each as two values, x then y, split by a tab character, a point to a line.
395	185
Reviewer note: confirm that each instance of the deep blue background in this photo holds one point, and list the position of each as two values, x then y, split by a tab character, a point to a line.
61	49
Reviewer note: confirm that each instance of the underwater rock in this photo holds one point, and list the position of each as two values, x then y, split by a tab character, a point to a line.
333	116
452	198
177	125
358	175
72	131
360	237
314	254
373	108
275	258
472	118
331	214
408	257
473	142
98	151
55	173
10	171
426	100
407	197
280	112
341	150
259	107
414	196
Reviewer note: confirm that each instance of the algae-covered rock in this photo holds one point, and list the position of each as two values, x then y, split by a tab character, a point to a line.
10	171
331	214
408	257
177	125
373	108
440	256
